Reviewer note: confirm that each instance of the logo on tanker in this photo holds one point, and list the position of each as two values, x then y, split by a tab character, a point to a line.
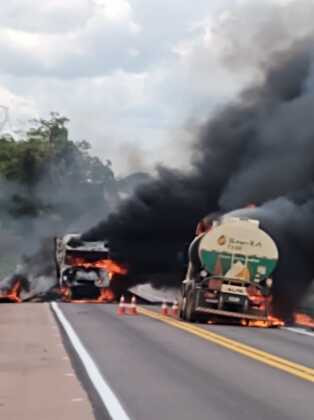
250	243
222	240
236	244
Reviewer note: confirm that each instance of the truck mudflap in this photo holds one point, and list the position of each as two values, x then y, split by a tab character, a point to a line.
230	314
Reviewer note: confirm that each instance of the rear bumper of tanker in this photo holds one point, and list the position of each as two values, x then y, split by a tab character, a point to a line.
236	307
229	314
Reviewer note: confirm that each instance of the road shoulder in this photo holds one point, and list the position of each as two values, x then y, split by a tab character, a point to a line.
37	380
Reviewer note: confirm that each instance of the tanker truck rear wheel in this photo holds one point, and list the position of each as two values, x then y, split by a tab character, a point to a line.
182	312
189	313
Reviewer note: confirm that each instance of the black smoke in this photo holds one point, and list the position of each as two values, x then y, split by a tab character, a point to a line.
290	223
256	149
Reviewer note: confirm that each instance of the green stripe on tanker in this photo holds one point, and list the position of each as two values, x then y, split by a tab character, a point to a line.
221	263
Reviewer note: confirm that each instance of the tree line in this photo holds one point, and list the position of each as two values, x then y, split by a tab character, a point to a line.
48	176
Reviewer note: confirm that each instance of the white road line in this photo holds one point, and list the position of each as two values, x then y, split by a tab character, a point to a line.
299	331
107	396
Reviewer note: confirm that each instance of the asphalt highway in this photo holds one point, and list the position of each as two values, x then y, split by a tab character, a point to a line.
160	368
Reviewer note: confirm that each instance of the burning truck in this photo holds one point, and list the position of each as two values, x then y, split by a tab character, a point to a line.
229	272
84	269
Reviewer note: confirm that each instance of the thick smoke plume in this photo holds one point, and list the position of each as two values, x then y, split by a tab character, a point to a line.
290	223
257	149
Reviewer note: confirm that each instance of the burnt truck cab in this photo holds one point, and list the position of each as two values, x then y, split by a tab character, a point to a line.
229	272
79	266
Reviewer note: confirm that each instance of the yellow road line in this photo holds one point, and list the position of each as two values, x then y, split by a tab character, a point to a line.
269	359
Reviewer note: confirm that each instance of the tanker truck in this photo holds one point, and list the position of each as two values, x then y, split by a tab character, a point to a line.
229	272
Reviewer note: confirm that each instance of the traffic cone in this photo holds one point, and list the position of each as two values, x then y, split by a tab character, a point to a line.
164	308
121	307
133	307
175	309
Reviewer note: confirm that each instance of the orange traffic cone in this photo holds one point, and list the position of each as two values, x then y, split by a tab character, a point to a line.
175	309
133	307
121	307
164	308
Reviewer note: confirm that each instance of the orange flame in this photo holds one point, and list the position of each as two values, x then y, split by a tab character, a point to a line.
106	296
257	299
109	265
271	321
12	295
262	302
304	320
65	293
276	322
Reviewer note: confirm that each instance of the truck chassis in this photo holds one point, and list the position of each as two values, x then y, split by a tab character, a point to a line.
200	304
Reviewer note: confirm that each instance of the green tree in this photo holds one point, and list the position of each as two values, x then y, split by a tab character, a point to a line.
47	175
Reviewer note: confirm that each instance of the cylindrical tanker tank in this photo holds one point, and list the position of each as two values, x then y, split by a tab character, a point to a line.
229	273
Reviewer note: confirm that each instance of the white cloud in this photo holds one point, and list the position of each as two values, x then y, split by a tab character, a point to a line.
44	16
130	74
100	45
119	10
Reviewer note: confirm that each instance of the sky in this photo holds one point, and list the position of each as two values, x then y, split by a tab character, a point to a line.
134	76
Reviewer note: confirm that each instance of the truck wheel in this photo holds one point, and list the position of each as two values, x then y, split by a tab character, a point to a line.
189	314
183	308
